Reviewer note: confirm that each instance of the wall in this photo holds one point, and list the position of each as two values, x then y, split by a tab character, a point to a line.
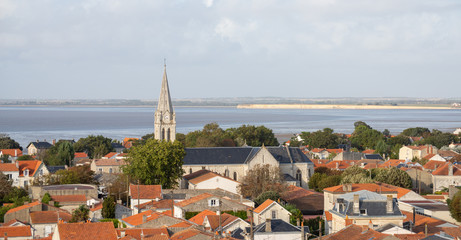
445	181
217	182
422	177
282	213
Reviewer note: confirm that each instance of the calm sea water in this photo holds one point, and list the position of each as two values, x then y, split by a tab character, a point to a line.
26	124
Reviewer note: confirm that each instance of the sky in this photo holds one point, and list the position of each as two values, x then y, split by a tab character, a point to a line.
115	49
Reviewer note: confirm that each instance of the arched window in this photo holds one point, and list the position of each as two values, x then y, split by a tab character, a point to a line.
168	135
190	170
299	177
226	173
162	137
235	176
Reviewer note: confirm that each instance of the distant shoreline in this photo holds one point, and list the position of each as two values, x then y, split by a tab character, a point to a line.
333	106
111	106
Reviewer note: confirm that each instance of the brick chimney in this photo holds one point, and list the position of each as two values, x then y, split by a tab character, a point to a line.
389	204
356	204
268	225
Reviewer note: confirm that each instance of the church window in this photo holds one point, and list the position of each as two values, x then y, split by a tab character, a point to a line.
299	177
274	214
163	134
190	170
168	135
235	176
226	173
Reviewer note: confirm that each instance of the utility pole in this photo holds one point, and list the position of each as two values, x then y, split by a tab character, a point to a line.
138	196
220	213
252	234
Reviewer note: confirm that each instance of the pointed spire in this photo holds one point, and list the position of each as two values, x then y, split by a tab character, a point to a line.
164	101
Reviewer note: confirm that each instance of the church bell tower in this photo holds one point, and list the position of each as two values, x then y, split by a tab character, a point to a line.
165	118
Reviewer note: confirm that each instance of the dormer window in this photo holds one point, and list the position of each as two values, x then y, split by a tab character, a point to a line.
26	172
363	212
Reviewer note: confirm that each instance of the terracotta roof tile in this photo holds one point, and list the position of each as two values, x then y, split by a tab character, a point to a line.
328	216
443	170
146	191
335	150
433	164
109	155
8	167
25	206
96	207
198	219
263	206
80	155
226	219
354	232
17	231
109	162
368	151
421	221
184	224
338	164
162	204
391	163
428	156
137	219
188	233
32	165
39	217
69	198
12	152
207	176
193	199
372	187
294	192
94	231
148	232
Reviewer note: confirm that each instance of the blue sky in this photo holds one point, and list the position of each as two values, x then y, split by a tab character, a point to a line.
98	49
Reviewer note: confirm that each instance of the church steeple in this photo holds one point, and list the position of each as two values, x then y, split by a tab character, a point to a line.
165	118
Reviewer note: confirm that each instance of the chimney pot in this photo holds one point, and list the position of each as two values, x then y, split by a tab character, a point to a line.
389	204
356	204
268	225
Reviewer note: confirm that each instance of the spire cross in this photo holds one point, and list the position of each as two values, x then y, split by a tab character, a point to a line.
164	62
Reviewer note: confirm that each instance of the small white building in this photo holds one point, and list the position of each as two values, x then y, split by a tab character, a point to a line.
205	179
140	194
270	210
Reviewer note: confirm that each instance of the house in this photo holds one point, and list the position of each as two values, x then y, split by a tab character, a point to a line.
338	165
307	201
110	165
150	219
69	202
144	193
416	152
446	175
21	213
273	229
391	163
147	233
207	201
13	154
117	147
11	171
38	148
94	231
358	233
430	208
365	208
90	191
349	156
204	179
120	212
332	193
16	232
44	222
128	142
80	156
115	155
225	222
200	217
234	162
29	170
270	209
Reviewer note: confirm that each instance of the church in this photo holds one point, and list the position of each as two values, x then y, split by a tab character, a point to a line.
232	162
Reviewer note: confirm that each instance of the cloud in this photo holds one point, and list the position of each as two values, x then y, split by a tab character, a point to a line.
208	3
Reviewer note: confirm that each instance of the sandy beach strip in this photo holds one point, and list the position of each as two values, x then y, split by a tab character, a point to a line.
333	106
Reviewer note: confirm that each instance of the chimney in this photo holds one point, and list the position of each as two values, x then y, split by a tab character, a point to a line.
450	169
370	225
144	218
15	152
389	204
6	236
122	234
119	201
337	165
17	164
356	204
349	187
414	219
38	140
268	225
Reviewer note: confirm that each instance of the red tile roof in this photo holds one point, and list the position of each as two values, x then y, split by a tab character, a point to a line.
80	155
428	156
193	199
189	233
226	219
12	152
146	191
94	231
335	150
8	167
109	155
434	197
355	232
162	204
148	232
443	170
109	162
69	198
96	207
40	217
338	165
32	165
368	151
207	176
391	163
433	164
184	224
421	221
17	231
198	219
294	192
25	206
137	219
263	206
372	187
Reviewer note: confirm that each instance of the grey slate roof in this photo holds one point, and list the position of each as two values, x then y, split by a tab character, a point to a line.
54	169
374	203
40	145
373	156
240	155
277	225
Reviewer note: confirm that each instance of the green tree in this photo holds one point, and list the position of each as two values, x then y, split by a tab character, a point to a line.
315	180
59	154
415	132
382	148
81	214
94	146
156	162
394	176
25	157
365	137
329	181
439	139
72	175
5	186
46	198
386	133
267	195
454	205
254	136
296	214
261	178
7	143
108	207
5	159
355	174
398	140
321	139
